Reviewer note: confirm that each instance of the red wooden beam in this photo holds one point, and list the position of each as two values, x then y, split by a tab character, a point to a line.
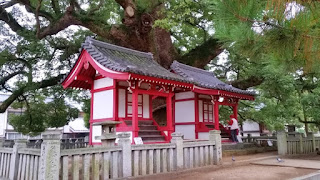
221	93
216	115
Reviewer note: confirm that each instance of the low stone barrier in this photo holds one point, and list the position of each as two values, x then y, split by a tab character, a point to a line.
120	161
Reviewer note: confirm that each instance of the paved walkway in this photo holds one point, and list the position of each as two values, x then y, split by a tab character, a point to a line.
297	163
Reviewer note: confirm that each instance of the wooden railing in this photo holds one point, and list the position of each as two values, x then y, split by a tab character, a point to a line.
197	154
120	161
28	163
89	162
5	159
297	143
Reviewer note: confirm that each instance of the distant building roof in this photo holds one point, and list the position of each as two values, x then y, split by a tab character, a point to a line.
122	59
203	78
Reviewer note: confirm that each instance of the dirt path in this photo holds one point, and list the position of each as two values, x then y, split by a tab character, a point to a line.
241	169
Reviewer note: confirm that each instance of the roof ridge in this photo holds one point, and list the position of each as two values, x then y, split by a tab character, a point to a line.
194	68
118	48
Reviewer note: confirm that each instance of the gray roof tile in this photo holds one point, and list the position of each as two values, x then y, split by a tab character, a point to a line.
127	60
203	78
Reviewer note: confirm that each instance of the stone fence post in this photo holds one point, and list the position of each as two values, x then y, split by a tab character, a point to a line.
178	153
125	143
249	138
282	142
50	156
214	135
310	135
1	141
14	163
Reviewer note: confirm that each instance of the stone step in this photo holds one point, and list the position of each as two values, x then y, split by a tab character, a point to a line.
152	138
148	127
149	132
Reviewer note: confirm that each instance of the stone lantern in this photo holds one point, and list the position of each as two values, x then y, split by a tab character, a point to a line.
108	135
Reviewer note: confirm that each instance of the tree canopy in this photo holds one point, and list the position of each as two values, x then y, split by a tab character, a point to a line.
271	46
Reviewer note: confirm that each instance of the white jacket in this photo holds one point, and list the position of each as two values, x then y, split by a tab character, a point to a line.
234	124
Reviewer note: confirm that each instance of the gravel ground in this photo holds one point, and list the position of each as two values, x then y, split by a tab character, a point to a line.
241	169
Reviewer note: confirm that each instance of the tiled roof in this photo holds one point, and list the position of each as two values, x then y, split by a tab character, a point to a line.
122	59
203	78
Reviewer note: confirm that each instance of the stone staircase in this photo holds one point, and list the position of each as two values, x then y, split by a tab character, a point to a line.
147	131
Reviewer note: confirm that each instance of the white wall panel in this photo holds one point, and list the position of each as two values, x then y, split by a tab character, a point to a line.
96	131
184	111
200	103
146	106
103	82
3	122
250	126
184	95
122	103
103	104
187	130
203	135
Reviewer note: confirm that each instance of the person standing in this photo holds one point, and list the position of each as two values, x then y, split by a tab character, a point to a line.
234	128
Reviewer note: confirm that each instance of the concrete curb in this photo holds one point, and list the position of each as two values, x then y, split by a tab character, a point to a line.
312	176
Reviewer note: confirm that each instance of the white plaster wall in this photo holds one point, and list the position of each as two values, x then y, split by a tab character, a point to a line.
187	130
203	135
184	95
3	122
200	103
103	104
103	82
146	107
96	131
184	111
250	126
122	103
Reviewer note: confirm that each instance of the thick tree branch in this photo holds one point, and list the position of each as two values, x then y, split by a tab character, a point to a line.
34	86
8	18
247	83
203	54
65	21
3	80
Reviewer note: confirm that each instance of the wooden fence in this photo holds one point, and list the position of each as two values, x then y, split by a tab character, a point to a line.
297	143
260	140
119	161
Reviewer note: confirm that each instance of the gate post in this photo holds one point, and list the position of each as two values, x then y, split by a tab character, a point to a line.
178	153
14	163
282	142
214	135
125	143
50	156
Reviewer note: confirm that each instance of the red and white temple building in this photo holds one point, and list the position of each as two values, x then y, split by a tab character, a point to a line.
124	82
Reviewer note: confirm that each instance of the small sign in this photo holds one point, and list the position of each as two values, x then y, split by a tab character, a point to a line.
138	140
270	142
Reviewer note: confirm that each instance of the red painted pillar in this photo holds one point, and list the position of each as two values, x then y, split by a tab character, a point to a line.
196	109
235	111
216	115
135	113
169	116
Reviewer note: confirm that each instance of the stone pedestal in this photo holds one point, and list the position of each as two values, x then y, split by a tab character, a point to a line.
50	156
108	133
125	143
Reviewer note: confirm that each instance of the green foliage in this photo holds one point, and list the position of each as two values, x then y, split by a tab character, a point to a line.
38	115
87	110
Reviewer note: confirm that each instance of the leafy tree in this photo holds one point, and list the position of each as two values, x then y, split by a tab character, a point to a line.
42	38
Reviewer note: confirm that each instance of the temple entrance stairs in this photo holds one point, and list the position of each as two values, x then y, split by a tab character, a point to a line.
148	131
